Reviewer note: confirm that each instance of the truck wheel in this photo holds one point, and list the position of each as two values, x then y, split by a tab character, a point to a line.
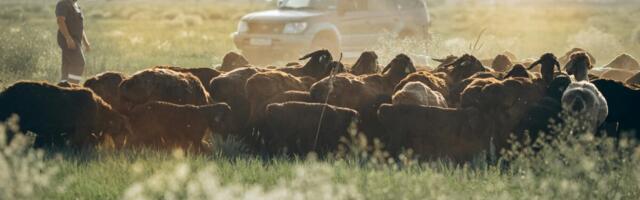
326	40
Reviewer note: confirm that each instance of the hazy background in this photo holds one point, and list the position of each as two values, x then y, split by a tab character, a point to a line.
129	35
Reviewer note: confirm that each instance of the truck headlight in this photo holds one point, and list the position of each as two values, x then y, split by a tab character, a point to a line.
295	27
243	27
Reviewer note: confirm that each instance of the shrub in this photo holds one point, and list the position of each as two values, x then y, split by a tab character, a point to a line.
24	174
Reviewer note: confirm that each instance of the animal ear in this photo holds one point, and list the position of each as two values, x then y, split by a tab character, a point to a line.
308	55
387	68
440	60
534	64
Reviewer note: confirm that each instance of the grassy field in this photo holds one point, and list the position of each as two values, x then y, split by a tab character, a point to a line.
131	35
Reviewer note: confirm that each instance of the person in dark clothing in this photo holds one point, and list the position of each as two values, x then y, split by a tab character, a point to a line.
71	39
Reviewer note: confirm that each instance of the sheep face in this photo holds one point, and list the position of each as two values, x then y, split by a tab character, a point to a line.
583	99
366	64
219	117
518	71
465	67
400	66
501	63
233	61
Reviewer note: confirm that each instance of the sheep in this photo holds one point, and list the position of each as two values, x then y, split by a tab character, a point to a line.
564	60
162	85
230	88
364	93
547	62
73	117
366	64
106	85
456	91
293	126
67	84
491	117
501	63
539	118
417	93
583	100
622	102
317	67
579	66
232	61
429	131
203	74
432	80
464	67
617	74
265	85
501	95
443	62
519	70
291	95
635	79
162	124
625	62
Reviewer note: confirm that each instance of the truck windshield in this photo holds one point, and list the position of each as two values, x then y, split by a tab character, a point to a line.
306	4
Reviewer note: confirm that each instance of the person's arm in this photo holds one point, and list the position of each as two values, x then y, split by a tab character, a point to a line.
87	45
62	26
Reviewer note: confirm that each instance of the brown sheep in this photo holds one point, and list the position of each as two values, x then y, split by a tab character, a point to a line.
265	85
107	86
232	61
564	60
434	81
293	126
162	85
59	117
443	63
203	74
519	70
364	93
67	84
465	67
291	95
547	62
501	63
456	91
625	62
501	94
493	114
429	131
417	93
366	64
579	66
634	80
317	66
162	124
230	88
617	74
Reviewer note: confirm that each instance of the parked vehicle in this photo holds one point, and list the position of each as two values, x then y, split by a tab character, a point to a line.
342	26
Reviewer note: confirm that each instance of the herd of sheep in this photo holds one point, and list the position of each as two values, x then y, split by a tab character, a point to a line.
455	110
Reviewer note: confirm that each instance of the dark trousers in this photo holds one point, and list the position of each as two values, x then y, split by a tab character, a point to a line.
72	64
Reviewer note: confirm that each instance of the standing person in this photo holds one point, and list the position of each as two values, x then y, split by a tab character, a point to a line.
71	39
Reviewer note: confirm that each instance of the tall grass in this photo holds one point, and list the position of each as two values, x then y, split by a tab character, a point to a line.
573	164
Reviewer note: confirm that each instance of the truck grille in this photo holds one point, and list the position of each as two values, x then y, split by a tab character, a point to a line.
265	28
